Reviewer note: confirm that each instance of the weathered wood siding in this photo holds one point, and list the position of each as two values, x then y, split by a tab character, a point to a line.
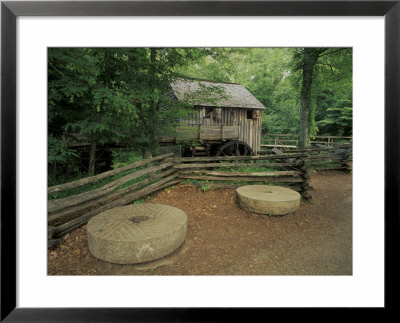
250	129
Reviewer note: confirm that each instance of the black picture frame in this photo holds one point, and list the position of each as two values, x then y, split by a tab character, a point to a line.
10	10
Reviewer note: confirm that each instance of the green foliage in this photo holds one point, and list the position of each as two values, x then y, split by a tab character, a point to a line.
59	156
338	119
58	151
88	93
332	89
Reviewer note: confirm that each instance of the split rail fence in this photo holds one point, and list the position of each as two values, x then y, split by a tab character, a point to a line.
142	178
338	157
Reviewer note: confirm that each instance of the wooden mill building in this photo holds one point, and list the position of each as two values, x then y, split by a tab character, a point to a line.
224	115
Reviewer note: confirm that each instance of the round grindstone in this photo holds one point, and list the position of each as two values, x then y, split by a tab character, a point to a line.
265	199
136	233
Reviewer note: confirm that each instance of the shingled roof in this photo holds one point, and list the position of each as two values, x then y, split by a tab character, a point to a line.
235	95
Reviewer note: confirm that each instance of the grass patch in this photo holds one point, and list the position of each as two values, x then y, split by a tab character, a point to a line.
205	187
123	157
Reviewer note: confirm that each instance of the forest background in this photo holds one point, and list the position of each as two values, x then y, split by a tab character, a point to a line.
114	95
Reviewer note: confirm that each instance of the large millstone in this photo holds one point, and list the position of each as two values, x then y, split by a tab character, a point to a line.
136	233
265	199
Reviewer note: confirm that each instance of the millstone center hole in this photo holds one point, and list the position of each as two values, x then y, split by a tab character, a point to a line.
139	218
267	192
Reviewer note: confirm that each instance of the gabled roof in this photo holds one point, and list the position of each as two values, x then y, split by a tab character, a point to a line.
234	95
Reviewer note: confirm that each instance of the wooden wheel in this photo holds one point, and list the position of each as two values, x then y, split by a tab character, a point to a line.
235	148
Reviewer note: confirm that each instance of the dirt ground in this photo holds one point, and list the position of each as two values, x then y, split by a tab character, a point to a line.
223	239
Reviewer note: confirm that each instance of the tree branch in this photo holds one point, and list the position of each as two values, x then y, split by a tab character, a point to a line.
332	52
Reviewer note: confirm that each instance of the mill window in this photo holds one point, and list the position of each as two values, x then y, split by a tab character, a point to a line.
208	113
249	114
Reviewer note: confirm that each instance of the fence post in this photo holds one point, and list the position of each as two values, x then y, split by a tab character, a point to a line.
346	160
300	164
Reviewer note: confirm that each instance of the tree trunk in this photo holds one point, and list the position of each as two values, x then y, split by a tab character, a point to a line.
52	173
309	60
92	158
153	116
